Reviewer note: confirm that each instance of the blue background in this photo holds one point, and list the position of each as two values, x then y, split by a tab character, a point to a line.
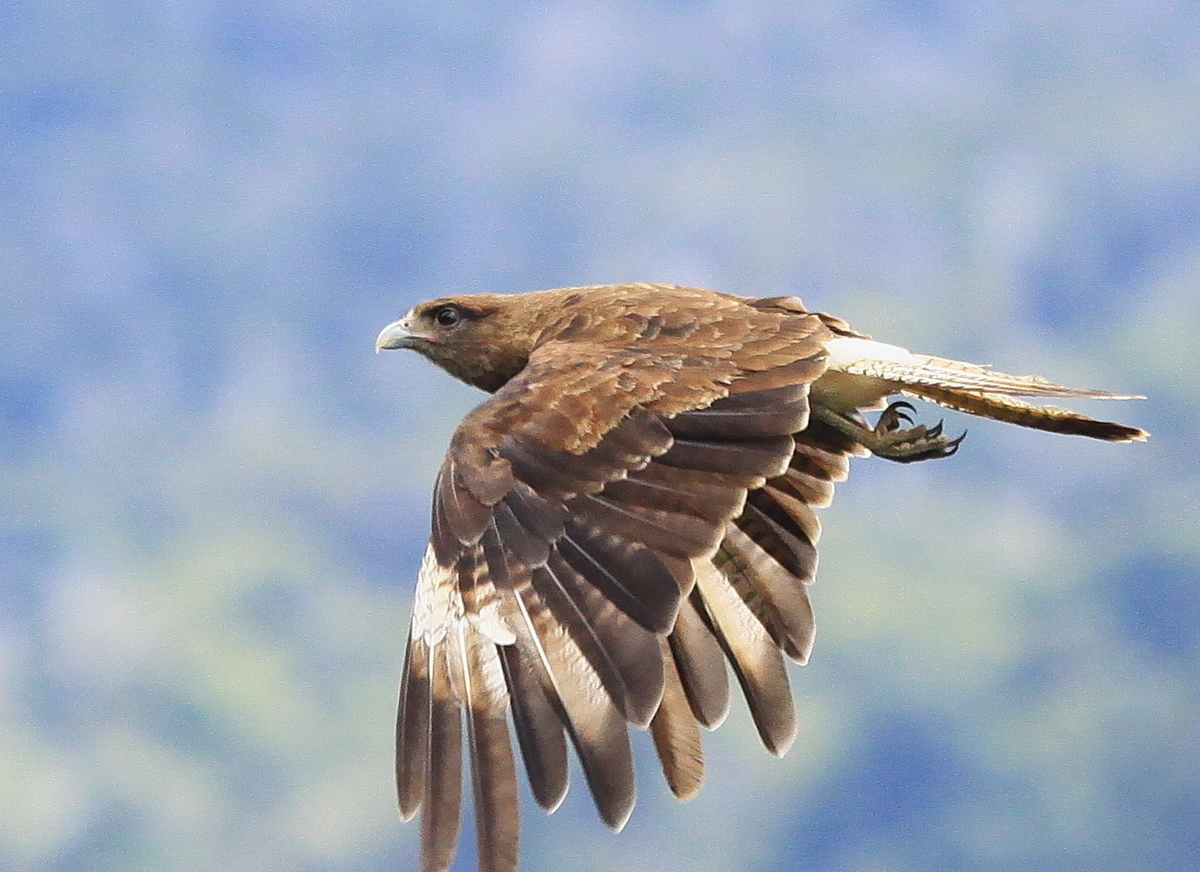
213	495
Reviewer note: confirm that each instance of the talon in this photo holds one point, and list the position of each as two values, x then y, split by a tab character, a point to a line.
935	430
891	417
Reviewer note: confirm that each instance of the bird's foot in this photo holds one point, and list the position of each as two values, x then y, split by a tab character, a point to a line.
905	445
890	439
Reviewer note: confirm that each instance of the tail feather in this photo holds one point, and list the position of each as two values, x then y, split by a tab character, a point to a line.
945	373
1009	408
876	369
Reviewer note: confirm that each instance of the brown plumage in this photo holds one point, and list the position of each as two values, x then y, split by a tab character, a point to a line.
629	512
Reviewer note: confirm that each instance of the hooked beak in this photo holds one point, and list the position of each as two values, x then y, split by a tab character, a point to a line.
396	335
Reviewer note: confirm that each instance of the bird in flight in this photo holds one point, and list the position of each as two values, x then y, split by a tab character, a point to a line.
630	511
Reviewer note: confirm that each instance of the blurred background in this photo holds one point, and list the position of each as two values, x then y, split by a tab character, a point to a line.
214	496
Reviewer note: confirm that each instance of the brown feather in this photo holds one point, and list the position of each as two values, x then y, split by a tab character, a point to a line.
774	595
633	577
493	773
752	415
766	521
412	729
538	728
677	735
441	815
700	663
459	518
711	498
595	727
666	532
754	656
752	460
623	654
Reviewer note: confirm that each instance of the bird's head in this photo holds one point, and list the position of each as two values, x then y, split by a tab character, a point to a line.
482	339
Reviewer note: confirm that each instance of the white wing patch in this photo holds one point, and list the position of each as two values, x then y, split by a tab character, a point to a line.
438	607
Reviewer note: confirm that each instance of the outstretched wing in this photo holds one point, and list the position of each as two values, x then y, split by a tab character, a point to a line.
593	561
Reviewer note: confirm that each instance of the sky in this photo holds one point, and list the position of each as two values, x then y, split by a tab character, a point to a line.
214	496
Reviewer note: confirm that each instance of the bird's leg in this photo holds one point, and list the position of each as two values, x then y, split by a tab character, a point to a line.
887	438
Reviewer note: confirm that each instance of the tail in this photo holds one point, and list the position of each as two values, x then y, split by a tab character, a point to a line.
1007	407
976	389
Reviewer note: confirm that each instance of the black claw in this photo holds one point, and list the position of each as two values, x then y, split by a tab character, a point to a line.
891	417
935	430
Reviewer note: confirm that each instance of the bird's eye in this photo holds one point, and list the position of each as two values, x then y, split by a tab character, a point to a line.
447	316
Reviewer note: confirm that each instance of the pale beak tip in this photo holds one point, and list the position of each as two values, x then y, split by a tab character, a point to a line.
394	335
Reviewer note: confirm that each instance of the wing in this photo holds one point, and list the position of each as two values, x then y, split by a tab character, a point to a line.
593	561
